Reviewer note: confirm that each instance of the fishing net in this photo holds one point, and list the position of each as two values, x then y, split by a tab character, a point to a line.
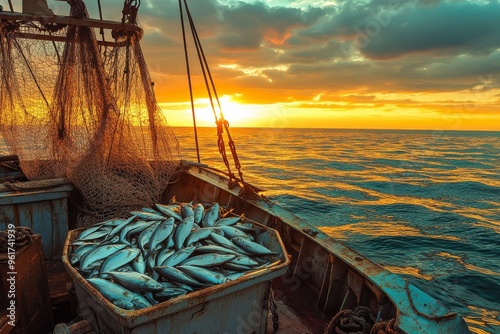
77	108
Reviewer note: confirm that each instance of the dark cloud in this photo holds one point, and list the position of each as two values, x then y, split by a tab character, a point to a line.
447	28
378	46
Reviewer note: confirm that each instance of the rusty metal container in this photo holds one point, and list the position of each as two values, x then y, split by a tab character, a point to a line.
33	309
41	205
239	306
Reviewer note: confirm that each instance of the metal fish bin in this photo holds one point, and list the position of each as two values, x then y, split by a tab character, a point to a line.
238	306
41	205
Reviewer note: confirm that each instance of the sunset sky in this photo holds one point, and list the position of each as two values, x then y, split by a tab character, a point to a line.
425	64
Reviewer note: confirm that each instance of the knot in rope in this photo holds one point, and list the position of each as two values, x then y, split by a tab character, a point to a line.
384	327
22	236
359	321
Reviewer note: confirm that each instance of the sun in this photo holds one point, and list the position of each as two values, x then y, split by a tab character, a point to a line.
237	114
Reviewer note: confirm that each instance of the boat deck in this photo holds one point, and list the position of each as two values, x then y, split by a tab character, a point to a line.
295	308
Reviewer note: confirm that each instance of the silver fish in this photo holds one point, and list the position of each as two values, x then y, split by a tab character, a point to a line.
228	221
182	231
124	232
187	210
216	249
168	211
135	281
118	295
147	215
209	259
145	235
161	233
244	260
179	256
94	235
203	275
232	232
119	227
139	264
79	252
98	253
174	274
198	234
118	259
225	242
198	211
169	293
88	231
211	215
164	254
252	247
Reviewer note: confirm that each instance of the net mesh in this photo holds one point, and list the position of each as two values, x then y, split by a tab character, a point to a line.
76	109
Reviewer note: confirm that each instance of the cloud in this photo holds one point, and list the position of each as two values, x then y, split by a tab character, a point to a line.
352	52
443	29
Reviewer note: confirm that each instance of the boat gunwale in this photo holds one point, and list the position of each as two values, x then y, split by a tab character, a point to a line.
404	295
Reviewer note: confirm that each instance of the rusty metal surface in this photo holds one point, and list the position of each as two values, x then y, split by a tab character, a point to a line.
32	300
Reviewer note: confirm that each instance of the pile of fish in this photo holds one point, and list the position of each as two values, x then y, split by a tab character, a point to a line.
167	251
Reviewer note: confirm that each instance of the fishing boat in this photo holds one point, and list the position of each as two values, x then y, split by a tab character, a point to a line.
327	287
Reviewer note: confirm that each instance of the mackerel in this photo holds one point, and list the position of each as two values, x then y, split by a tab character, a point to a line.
232	232
182	231
98	253
176	275
187	210
252	247
88	231
209	259
228	221
124	232
203	275
135	281
94	235
168	211
198	211
119	259
178	256
164	254
147	215
161	233
211	215
118	295
225	242
145	235
79	252
198	234
139	264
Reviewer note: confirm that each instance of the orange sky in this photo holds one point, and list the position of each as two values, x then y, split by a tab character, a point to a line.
422	64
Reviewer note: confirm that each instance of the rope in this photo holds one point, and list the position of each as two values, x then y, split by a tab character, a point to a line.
23	236
346	321
384	327
189	82
220	122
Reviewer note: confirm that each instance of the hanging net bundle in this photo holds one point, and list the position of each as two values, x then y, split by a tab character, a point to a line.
73	107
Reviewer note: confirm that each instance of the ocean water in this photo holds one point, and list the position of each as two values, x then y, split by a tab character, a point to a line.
423	204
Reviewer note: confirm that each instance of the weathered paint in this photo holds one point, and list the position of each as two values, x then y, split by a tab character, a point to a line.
40	205
239	306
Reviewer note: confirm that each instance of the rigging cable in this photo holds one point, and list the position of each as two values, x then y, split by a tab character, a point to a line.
221	122
189	82
204	69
